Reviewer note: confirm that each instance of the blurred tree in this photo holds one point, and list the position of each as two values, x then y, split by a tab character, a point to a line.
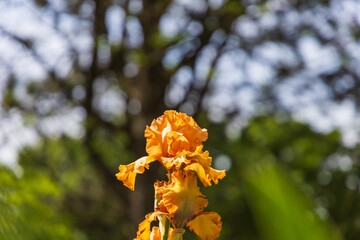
91	205
284	179
113	66
30	207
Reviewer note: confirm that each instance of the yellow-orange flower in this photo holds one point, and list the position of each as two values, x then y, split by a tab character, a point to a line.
172	133
175	140
182	198
183	203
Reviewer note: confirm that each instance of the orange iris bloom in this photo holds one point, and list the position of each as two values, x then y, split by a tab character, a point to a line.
184	203
175	140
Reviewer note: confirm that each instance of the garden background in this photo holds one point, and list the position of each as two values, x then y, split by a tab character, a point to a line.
276	83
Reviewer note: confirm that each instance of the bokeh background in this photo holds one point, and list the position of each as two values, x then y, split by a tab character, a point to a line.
276	83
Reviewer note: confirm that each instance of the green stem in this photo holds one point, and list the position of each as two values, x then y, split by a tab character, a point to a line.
164	227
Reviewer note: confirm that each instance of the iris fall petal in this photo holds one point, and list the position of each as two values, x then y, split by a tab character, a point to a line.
182	198
207	225
127	173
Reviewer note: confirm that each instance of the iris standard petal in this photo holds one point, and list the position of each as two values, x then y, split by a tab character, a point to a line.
172	133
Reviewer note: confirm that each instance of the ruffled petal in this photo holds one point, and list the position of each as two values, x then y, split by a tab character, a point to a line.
175	163
172	133
188	127
215	175
200	163
207	225
175	142
199	169
127	176
153	142
182	198
200	157
127	173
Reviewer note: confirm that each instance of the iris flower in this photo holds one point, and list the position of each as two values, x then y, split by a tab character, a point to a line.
175	140
182	204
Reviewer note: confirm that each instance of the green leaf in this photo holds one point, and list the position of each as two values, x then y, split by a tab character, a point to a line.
280	209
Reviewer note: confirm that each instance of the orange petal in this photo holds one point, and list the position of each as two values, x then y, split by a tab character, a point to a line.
199	156
172	133
201	165
182	198
127	176
127	173
188	127
215	175
144	227
153	142
155	234
175	142
199	169
207	225
176	162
